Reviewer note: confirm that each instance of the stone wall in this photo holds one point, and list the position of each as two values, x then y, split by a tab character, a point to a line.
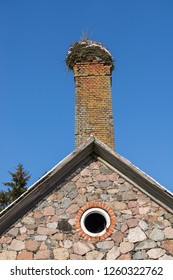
143	229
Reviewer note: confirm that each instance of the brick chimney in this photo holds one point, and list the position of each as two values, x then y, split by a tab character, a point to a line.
92	65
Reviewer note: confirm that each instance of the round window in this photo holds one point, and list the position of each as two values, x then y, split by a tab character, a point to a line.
95	221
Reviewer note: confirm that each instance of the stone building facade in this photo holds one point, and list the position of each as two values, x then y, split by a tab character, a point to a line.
93	205
142	229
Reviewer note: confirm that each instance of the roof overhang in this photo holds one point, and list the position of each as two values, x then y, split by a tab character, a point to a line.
51	180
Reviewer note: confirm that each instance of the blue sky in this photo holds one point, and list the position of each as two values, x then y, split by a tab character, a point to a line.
37	90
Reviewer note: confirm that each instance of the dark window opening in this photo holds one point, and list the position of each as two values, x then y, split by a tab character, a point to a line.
95	223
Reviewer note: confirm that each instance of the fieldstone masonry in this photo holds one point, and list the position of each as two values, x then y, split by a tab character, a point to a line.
143	229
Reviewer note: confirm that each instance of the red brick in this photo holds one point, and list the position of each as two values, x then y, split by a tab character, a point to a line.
93	102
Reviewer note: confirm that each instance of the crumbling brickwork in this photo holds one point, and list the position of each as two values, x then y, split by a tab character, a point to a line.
93	112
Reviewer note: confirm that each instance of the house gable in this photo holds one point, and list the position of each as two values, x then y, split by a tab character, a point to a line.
142	229
92	148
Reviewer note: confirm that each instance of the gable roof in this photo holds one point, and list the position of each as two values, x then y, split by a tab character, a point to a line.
92	148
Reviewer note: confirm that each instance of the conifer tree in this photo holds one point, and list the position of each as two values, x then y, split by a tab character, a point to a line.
16	187
4	199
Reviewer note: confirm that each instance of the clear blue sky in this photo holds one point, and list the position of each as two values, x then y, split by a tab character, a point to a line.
37	91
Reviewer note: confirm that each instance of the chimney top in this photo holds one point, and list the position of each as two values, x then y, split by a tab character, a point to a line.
88	51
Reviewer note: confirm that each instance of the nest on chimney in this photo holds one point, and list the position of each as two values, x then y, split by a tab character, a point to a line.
88	51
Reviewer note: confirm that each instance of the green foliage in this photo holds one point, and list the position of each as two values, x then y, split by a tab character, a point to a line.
16	187
4	199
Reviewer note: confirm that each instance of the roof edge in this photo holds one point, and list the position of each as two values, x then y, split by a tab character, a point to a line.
45	185
92	147
146	183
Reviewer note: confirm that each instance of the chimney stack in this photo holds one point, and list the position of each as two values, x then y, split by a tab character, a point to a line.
92	65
